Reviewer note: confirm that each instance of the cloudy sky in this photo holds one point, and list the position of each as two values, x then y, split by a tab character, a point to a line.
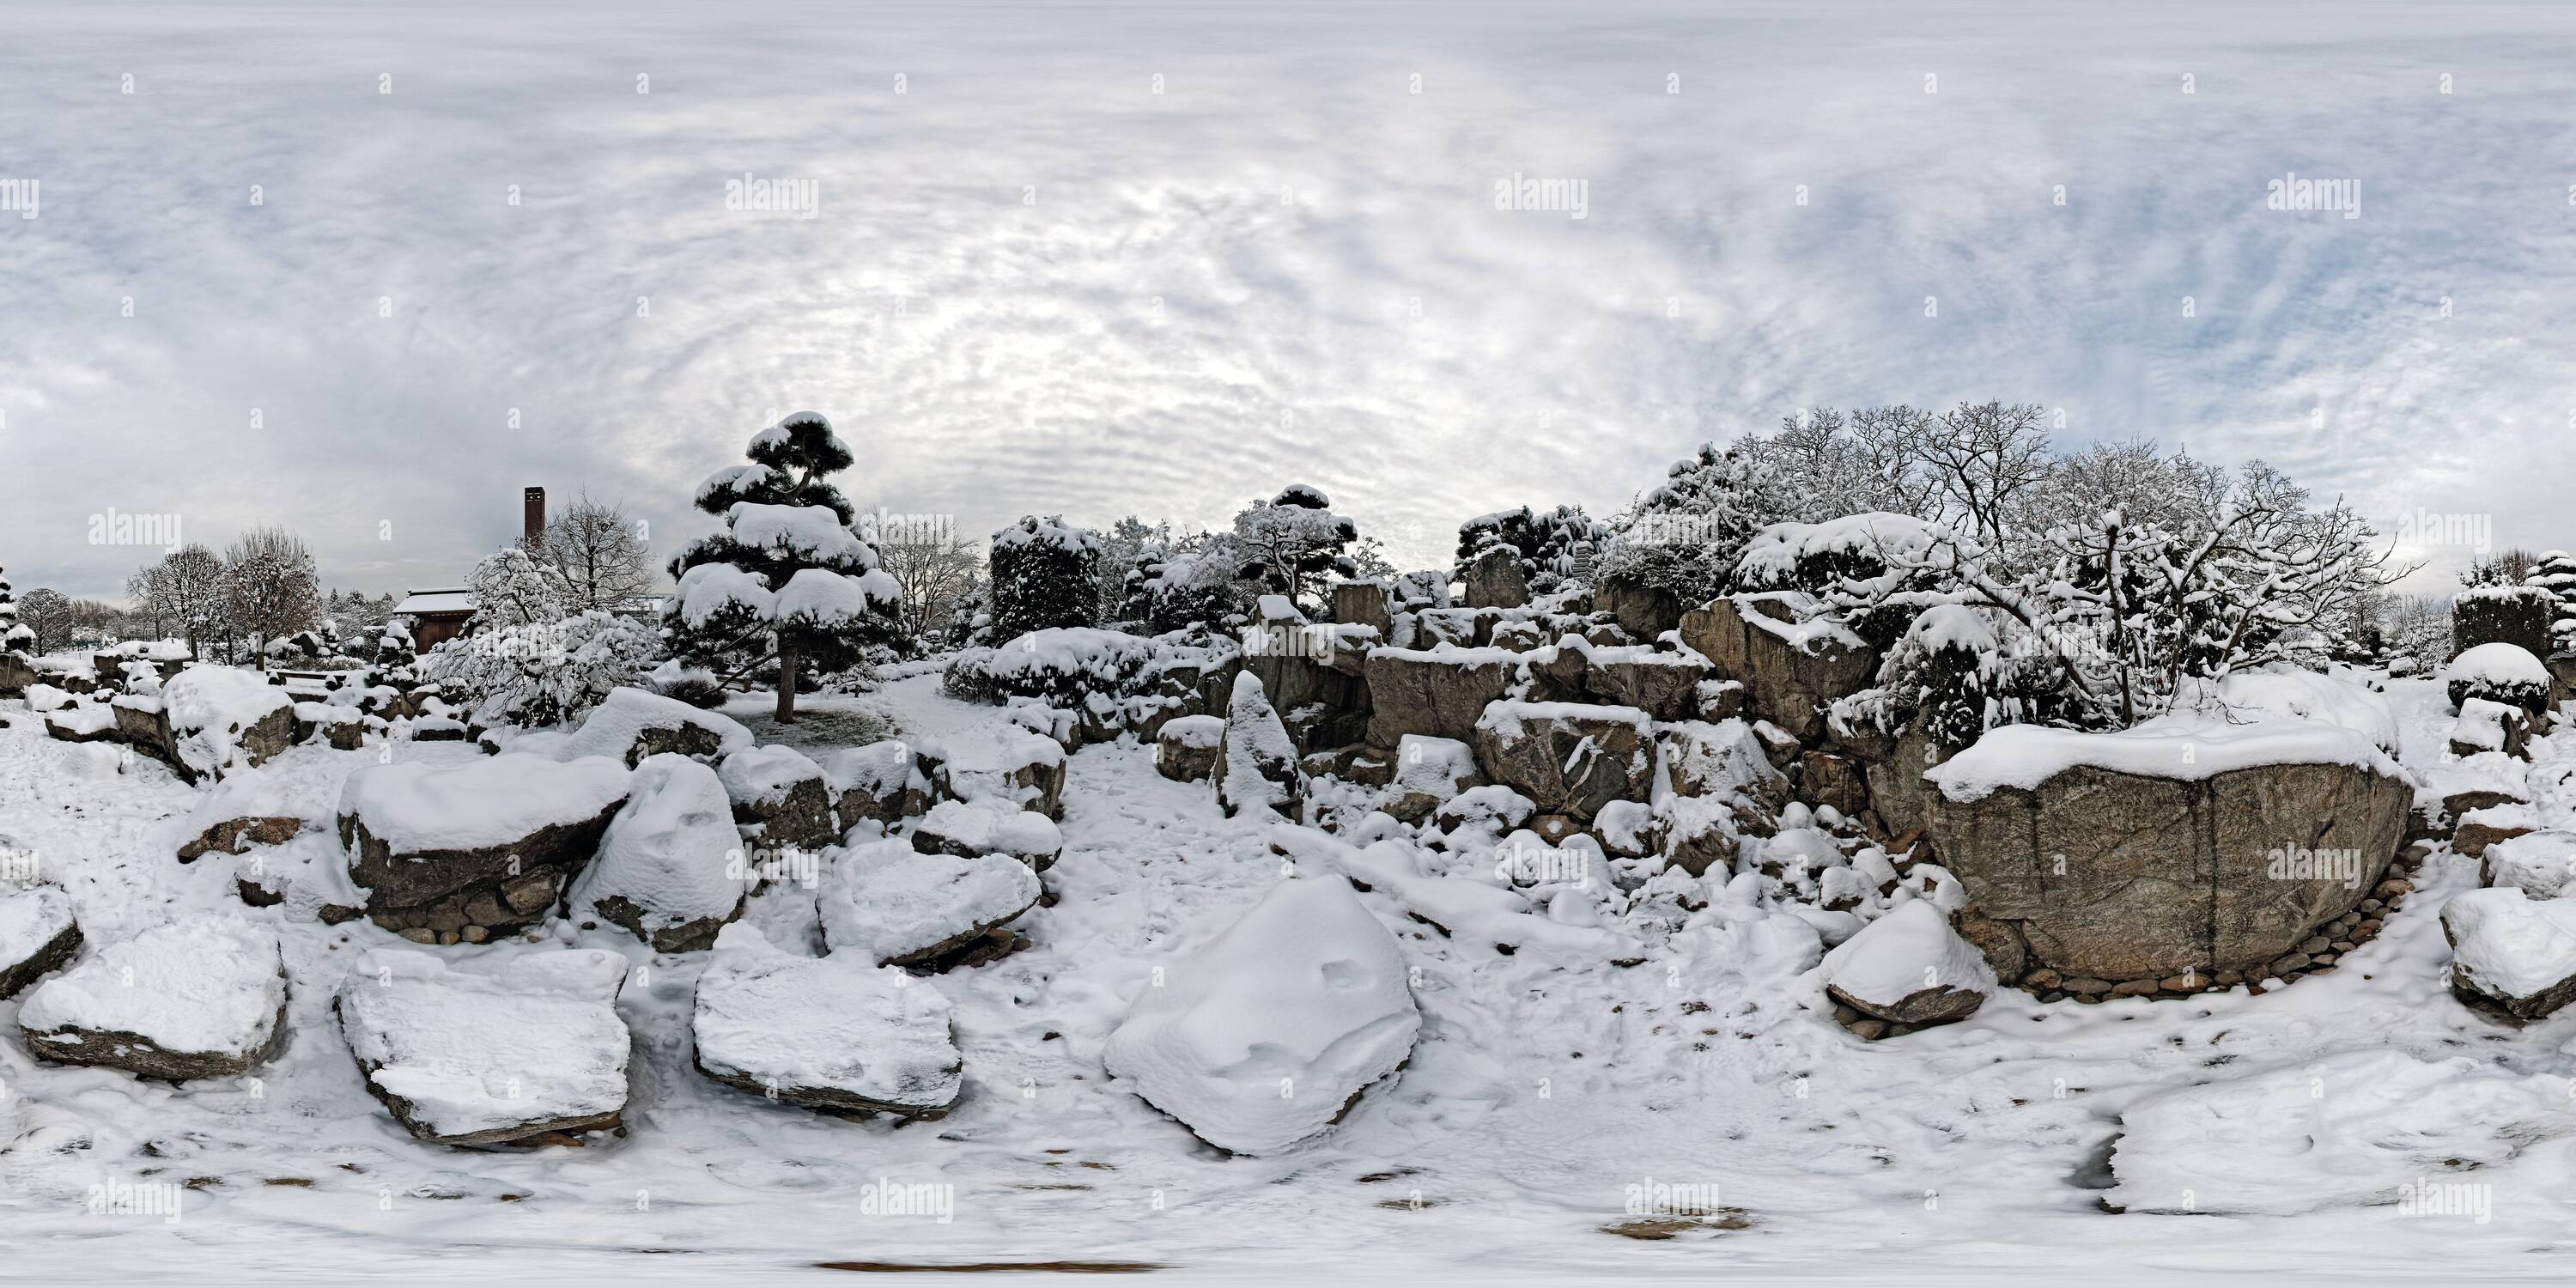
1102	259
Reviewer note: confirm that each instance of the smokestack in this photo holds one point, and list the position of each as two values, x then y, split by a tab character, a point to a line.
533	516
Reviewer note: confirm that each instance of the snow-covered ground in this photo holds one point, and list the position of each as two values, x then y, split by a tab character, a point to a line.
1546	1093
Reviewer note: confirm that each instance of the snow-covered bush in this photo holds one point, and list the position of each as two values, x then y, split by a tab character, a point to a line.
15	637
2499	672
1046	573
1059	665
1287	544
1684	535
2556	573
786	588
1551	546
510	590
542	673
1181	589
2523	616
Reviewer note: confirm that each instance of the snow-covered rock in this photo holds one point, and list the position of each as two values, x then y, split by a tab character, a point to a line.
631	724
1186	747
1429	773
487	1055
37	934
1256	767
2350	1129
2510	952
880	782
999	761
824	1032
2540	864
486	843
249	807
2500	672
1567	757
1266	1034
223	716
2486	725
967	829
669	867
892	904
784	793
198	999
1909	967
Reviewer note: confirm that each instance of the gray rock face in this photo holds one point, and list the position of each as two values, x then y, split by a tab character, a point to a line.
1323	705
1438	695
879	782
1641	610
1566	758
1896	787
501	874
2162	876
1495	580
1364	603
1789	675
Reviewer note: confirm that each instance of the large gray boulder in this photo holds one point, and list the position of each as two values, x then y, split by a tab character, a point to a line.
483	846
1641	610
1186	749
1791	669
881	782
670	870
1494	580
783	794
1436	693
2171	848
1567	758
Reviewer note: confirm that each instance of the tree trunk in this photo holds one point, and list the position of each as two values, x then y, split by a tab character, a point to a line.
786	683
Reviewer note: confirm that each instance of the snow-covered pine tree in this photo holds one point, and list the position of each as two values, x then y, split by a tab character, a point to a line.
1684	535
1289	542
1551	546
2555	573
15	637
787	583
1046	573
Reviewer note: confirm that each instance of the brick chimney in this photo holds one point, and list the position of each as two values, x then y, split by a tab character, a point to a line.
532	511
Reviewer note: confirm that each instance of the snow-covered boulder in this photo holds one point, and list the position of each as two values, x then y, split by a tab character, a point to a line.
967	829
669	867
1436	692
490	1055
2479	829
2487	725
2510	952
1429	773
1909	967
485	845
222	716
1568	758
2499	672
999	762
247	808
823	1032
631	724
2540	864
1266	1034
1256	766
893	905
782	792
1791	669
37	935
198	999
2352	1129
1186	747
881	781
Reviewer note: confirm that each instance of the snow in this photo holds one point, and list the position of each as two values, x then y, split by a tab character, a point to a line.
979	763
823	600
1049	531
2483	723
710	590
1258	753
414	806
731	480
220	701
871	1033
805	533
2540	864
45	697
1510	720
1436	767
488	1046
1909	950
2284	690
765	775
884	901
666	851
994	827
2508	945
210	986
612	727
2347	1129
1261	1036
29	920
83	719
878	768
2185	746
2497	663
1199	733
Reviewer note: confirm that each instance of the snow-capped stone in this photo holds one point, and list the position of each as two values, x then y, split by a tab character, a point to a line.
892	904
37	934
223	716
2540	864
1568	758
249	807
2510	952
1256	767
1186	748
2351	1129
2486	725
967	829
823	1032
1909	967
783	792
669	868
486	842
881	781
631	724
488	1055
198	999
1000	761
2501	672
1429	773
1265	1035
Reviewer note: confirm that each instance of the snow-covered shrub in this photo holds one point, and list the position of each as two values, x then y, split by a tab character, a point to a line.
2523	616
1287	544
1423	588
1046	573
2556	573
1551	546
15	637
510	590
2499	672
697	688
1060	665
542	673
1175	589
1684	535
786	588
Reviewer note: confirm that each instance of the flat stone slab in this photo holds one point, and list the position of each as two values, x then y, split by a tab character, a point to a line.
476	1056
200	999
893	905
824	1032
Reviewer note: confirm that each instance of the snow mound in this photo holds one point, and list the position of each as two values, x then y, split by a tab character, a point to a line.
1909	967
970	828
667	866
473	1056
765	775
889	903
1198	733
2347	1130
2183	746
631	716
1264	1035
832	1032
416	806
187	999
2540	864
2285	690
37	933
2497	663
2514	949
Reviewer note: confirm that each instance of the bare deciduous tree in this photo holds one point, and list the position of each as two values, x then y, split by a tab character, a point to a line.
184	592
269	586
936	569
595	557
